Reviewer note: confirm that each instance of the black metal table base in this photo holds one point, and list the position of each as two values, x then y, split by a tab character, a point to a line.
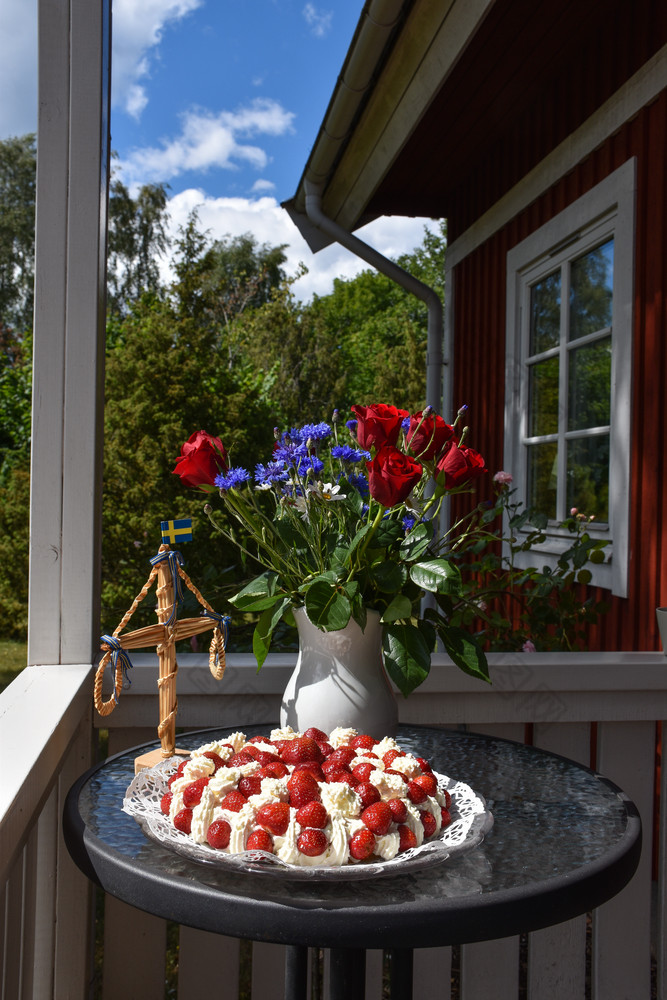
347	973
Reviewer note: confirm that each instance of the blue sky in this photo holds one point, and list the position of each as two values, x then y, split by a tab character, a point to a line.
221	100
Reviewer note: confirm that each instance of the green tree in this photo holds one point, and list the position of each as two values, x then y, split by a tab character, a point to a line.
164	381
17	232
137	240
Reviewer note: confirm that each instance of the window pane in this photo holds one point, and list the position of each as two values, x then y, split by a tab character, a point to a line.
588	476
589	385
543	406
542	477
545	314
591	291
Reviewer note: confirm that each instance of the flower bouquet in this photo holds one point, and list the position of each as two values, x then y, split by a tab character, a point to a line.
343	518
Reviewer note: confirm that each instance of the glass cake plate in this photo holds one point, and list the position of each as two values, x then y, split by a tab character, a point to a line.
471	820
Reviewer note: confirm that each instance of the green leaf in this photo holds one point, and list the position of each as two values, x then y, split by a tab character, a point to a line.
261	638
400	607
389	576
260	593
388	533
437	576
407	657
327	607
416	542
465	652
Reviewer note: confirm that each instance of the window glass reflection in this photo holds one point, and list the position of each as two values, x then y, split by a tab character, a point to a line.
545	314
591	291
543	477
589	383
588	476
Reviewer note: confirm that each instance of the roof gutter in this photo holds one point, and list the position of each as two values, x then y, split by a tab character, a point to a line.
436	363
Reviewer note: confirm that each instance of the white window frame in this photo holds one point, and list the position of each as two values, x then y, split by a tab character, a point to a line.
608	210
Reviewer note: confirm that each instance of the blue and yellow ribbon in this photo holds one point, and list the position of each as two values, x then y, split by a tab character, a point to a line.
117	653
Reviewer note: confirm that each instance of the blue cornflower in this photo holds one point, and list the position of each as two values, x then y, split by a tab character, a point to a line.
272	472
314	432
290	452
306	462
351	425
347	454
360	483
232	478
408	523
405	424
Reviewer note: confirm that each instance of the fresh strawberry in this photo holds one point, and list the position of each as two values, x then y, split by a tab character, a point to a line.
181	768
446	817
233	801
312	842
251	750
362	844
276	769
368	754
260	840
328	765
377	817
428	822
303	788
312	814
390	757
316	734
399	810
368	793
448	799
193	792
265	757
227	746
424	764
363	771
183	820
218	762
407	839
218	833
303	748
259	739
275	817
175	776
165	803
344	776
325	747
312	768
363	742
239	759
250	785
428	783
343	756
416	793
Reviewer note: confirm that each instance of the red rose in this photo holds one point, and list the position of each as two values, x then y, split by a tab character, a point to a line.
428	440
392	475
459	466
202	458
378	424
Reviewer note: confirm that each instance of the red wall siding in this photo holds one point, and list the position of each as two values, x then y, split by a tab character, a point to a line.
479	358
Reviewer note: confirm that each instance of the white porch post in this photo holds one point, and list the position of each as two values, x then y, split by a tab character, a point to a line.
68	365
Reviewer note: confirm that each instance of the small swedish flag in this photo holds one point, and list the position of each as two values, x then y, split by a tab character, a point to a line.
177	531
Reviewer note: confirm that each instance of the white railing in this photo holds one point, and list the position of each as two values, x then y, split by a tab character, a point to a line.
45	742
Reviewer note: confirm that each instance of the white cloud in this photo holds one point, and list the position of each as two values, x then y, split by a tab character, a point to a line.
269	223
18	67
263	186
209	140
137	32
319	21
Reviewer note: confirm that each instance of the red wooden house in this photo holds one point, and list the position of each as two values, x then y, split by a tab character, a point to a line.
539	132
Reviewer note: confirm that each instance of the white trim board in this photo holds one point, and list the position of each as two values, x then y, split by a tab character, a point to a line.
635	94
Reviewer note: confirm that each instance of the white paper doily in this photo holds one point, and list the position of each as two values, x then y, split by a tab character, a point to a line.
471	820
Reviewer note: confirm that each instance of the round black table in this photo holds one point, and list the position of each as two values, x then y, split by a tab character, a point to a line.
563	841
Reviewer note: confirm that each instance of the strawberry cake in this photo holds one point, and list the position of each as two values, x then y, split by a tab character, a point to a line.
310	799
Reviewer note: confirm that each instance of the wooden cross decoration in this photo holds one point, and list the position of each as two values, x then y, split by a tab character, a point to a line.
168	568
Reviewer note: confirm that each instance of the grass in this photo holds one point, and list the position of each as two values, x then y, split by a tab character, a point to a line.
13	658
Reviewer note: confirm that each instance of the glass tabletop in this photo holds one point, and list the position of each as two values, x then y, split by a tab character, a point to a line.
563	840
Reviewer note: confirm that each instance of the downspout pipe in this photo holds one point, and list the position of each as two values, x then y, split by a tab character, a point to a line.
435	361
